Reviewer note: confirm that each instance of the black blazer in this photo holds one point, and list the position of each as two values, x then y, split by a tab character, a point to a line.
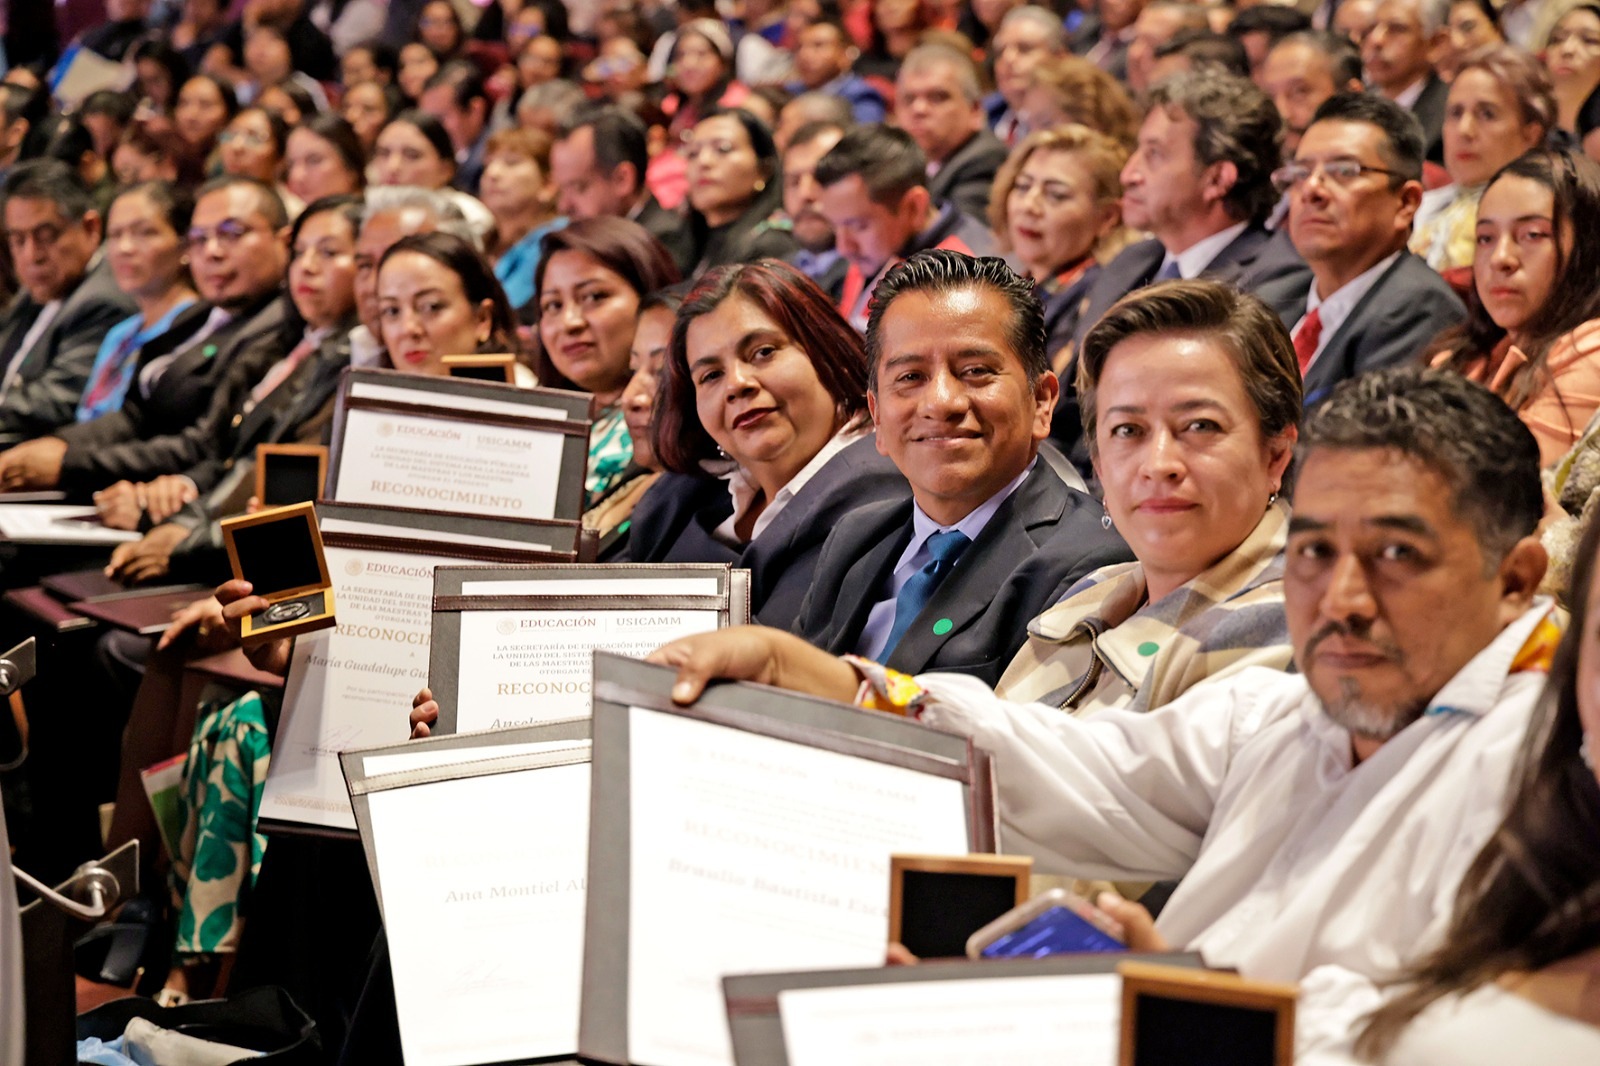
1408	306
1429	109
1042	539
53	375
672	230
966	177
674	521
162	433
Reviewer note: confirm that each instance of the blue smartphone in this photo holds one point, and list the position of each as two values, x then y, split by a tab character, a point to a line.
1056	923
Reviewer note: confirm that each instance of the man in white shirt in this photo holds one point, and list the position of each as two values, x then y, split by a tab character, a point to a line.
1397	54
961	392
1353	189
1320	821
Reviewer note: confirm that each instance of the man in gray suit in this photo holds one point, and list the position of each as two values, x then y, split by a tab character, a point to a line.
960	391
51	330
1353	189
939	101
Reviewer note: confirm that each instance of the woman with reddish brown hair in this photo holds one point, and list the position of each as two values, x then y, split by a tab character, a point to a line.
761	419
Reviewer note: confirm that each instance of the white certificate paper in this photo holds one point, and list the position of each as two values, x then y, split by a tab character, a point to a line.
415	461
53	523
524	667
351	686
750	853
1056	1019
483	897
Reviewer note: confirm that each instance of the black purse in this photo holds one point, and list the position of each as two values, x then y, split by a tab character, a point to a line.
263	1019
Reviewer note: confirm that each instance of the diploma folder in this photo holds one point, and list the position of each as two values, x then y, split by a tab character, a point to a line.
350	687
756	1021
484	920
610	600
757	753
516	452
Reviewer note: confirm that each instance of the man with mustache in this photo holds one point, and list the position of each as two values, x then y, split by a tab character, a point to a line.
1353	188
1320	821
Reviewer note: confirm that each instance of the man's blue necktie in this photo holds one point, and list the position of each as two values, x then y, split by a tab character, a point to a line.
1169	272
946	548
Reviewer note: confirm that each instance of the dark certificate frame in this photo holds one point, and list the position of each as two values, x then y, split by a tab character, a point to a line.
452	399
731	602
621	683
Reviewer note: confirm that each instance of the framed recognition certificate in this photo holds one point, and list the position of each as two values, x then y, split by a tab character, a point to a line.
1062	1009
750	831
351	686
478	847
458	445
515	645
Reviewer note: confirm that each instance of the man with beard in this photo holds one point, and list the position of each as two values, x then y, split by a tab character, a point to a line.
1320	820
802	202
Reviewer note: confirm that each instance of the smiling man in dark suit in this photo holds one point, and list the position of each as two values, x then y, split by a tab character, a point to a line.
961	395
1353	189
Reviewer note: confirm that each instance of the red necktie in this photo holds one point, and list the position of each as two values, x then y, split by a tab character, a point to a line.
1306	338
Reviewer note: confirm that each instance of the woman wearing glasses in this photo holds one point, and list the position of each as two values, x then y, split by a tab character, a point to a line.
734	191
253	145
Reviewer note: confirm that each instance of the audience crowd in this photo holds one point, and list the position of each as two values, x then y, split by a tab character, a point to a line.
1223	377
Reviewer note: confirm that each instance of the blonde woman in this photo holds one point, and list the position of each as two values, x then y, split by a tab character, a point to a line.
1072	89
1055	207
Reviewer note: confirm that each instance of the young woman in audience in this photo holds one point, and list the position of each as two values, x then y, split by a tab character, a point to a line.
1471	25
418	63
611	516
1056	207
1572	55
205	104
761	417
701	81
155	152
1072	89
291	100
159	70
437	297
146	246
589	281
1532	333
1500	106
1204	597
324	158
368	107
516	186
897	25
252	146
734	190
439	27
415	149
1515	978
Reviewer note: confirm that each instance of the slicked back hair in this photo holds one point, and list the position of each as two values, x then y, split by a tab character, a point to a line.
1253	336
941	271
53	180
268	203
1454	427
885	158
1235	122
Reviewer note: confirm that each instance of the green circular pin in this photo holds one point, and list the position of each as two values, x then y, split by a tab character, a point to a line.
1149	648
943	626
209	350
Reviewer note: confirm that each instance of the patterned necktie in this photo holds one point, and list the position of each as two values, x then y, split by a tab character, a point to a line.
918	590
1306	338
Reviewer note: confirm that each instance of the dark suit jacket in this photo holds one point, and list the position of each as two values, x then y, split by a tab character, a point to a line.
674	521
55	372
1043	538
1429	110
1408	306
672	230
163	433
966	177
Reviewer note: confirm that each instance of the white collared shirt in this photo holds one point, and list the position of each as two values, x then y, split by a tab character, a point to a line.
1336	307
745	490
1407	97
880	620
1293	857
1193	260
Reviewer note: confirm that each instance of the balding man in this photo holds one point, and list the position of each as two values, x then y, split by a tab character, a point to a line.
938	100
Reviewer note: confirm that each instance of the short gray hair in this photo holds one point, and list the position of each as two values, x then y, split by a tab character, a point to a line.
924	56
559	97
447	216
1043	19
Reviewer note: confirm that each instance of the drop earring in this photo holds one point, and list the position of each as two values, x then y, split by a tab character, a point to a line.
1105	519
1272	498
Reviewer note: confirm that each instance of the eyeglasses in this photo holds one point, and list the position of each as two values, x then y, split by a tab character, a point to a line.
228	233
248	138
1338	171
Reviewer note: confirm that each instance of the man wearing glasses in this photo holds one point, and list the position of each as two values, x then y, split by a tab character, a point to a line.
51	330
1353	189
